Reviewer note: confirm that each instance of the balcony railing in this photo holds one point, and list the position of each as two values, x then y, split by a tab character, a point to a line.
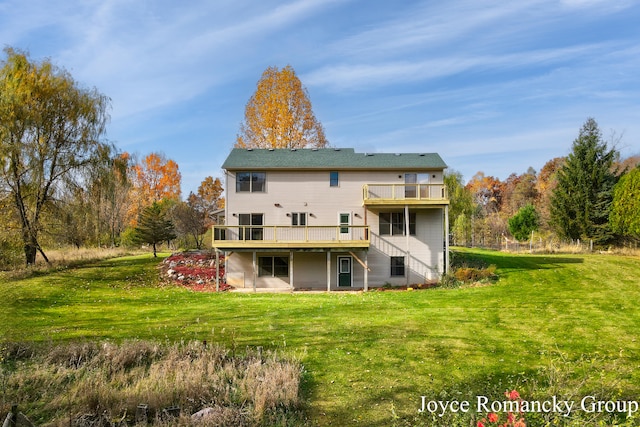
281	236
405	193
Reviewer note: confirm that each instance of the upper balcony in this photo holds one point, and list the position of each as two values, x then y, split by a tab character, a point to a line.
405	194
238	237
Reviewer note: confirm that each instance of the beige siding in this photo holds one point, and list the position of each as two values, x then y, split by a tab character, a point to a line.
426	252
309	271
310	192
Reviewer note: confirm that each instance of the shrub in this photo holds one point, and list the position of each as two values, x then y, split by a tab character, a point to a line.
473	274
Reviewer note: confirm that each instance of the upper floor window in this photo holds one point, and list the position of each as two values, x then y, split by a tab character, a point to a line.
252	182
250	233
299	218
392	224
333	178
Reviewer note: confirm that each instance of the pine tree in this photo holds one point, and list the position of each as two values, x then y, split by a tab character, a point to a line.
581	201
154	227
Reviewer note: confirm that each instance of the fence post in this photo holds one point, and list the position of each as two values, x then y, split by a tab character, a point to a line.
531	243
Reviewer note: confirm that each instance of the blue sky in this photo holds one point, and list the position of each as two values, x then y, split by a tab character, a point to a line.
495	86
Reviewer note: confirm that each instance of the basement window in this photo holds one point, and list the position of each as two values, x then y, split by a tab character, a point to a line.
273	266
397	266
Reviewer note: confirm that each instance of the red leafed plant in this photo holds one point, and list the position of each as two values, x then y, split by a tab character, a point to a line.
513	420
195	270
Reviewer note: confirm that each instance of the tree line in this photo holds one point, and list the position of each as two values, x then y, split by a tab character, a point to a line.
591	195
62	183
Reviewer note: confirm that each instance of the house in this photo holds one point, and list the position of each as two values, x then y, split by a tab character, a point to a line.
332	218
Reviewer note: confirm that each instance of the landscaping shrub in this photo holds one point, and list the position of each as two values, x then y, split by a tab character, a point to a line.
473	274
467	269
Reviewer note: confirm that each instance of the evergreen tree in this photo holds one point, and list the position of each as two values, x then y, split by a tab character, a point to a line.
625	209
524	222
154	227
581	201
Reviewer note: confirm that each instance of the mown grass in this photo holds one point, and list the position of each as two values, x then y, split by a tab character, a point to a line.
370	357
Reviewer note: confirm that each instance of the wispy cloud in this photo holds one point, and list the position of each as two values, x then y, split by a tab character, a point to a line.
355	76
474	80
130	49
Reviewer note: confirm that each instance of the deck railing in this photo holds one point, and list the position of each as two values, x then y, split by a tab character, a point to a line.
405	192
262	235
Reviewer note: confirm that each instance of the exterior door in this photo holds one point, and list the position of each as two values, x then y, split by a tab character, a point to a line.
345	221
416	185
344	271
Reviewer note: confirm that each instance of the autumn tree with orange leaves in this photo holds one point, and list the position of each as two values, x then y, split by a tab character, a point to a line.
209	198
279	114
155	179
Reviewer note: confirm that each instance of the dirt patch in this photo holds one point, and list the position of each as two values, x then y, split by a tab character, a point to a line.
195	270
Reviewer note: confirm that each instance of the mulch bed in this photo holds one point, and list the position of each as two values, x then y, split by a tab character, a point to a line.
195	270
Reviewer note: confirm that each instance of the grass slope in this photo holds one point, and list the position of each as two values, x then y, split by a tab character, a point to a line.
369	356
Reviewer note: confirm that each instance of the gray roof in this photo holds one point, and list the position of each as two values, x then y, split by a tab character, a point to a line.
328	158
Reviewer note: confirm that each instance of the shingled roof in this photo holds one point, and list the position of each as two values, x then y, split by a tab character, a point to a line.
328	158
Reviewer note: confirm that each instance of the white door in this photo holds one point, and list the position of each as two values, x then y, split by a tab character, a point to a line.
344	219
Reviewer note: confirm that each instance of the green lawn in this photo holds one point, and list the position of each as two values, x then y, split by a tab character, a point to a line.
369	357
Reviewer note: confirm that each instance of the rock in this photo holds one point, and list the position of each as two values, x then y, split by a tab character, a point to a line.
203	414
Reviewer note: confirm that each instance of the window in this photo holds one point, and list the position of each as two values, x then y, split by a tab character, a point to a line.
252	182
250	233
345	219
392	224
333	178
299	218
273	266
397	266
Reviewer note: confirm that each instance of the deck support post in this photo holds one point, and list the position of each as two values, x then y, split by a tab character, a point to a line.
255	269
366	271
447	264
406	233
291	269
328	271
217	255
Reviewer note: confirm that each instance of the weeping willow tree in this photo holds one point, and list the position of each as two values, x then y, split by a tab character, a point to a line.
51	128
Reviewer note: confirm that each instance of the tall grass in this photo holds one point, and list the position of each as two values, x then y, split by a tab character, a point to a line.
80	383
64	258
